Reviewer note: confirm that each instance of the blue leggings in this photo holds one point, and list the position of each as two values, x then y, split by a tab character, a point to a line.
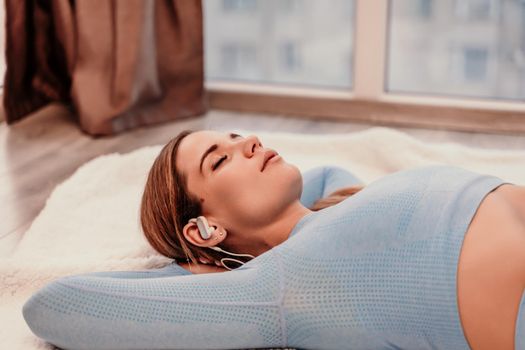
143	309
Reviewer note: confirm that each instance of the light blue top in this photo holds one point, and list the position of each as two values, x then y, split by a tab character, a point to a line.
376	271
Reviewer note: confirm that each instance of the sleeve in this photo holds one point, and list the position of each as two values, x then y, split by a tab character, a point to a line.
319	182
170	270
237	309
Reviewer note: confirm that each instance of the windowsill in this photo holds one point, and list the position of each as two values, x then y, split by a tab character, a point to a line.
388	109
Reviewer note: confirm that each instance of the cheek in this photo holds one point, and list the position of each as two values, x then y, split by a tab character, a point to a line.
235	193
274	187
235	185
250	191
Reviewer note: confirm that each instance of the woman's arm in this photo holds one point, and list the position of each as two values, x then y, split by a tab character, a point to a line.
235	310
170	270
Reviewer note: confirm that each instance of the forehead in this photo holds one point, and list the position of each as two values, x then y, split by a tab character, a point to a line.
193	146
202	138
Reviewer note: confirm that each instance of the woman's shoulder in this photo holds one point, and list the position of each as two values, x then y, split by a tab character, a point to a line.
429	170
396	198
432	176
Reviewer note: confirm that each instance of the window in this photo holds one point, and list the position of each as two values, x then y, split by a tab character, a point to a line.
425	8
487	52
475	10
239	5
454	64
475	64
238	59
288	6
303	43
290	56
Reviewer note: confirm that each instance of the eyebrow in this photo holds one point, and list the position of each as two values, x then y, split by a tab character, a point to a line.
213	148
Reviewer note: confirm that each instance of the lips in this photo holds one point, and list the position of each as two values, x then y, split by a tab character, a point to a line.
267	156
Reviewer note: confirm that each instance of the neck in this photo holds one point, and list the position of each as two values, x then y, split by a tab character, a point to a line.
271	235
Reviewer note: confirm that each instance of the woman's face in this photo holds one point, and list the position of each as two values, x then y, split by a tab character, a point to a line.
225	171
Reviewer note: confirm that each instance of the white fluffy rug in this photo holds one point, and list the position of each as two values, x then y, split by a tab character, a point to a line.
90	221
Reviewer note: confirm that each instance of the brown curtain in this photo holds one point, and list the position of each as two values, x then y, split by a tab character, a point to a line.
119	64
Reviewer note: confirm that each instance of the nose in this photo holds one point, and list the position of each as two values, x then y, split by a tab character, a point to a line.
251	143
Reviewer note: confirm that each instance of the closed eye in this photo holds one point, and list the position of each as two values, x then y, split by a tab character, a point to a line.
218	163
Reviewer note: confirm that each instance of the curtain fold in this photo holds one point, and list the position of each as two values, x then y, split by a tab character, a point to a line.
119	64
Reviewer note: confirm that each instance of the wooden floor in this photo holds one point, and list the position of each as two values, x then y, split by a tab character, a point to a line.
43	150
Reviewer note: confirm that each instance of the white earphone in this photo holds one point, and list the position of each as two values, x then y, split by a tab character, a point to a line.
204	228
205	231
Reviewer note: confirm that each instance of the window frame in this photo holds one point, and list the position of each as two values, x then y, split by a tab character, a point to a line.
369	101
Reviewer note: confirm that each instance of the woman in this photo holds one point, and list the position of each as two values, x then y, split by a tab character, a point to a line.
255	208
387	269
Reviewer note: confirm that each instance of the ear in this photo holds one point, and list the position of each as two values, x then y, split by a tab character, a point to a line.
192	235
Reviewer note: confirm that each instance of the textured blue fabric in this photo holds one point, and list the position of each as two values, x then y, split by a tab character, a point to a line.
519	336
319	182
376	271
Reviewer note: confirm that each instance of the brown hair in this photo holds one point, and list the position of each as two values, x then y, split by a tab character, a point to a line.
167	206
335	197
